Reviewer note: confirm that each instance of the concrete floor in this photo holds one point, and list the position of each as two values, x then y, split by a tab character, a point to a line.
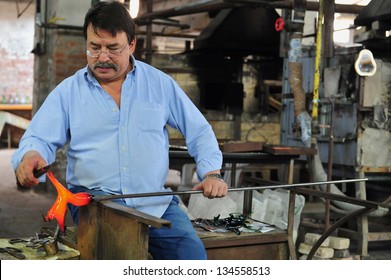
21	210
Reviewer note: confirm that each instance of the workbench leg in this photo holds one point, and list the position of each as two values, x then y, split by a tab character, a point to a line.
291	218
362	221
291	171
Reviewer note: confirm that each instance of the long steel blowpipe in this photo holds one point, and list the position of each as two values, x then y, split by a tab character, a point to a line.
283	186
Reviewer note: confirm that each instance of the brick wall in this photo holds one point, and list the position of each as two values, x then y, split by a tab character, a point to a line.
68	54
64	55
16	78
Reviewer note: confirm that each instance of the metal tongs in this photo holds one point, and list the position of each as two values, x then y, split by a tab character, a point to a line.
39	172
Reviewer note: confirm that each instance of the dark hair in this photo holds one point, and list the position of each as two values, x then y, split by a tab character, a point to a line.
111	16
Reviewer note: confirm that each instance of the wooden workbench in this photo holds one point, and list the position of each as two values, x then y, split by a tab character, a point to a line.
277	244
246	246
14	118
99	222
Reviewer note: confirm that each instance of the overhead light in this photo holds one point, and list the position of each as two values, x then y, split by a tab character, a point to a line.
365	64
133	8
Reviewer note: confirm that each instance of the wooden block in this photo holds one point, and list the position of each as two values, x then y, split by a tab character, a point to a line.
339	243
238	146
341	254
111	231
288	150
312	238
322	252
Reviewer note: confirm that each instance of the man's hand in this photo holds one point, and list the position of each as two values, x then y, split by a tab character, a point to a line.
212	187
31	161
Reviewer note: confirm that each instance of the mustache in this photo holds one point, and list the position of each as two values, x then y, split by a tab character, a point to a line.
105	65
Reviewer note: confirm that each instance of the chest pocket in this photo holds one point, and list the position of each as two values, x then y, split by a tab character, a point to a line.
148	117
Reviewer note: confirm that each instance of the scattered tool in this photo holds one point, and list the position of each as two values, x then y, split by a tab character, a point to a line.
18	240
51	246
15	252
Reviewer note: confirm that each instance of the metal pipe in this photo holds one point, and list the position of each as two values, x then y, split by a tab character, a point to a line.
344	198
282	186
330	165
148	42
329	12
318	58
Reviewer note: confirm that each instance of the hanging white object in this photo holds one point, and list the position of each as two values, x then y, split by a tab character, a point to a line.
365	64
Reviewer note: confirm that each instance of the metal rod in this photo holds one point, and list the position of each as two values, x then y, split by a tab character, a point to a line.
343	198
138	195
330	165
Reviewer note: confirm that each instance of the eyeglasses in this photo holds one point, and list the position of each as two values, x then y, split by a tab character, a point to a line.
109	52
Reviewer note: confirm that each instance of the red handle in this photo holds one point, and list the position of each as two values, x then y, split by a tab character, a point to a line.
280	24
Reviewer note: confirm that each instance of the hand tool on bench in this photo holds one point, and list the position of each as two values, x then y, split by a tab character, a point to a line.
15	252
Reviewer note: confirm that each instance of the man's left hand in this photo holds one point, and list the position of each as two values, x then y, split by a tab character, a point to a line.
212	187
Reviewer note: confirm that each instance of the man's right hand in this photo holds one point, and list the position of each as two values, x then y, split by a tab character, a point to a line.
31	161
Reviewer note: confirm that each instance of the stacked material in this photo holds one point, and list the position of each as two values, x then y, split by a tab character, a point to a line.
332	248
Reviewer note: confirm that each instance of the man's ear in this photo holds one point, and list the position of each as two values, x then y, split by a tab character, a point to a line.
132	45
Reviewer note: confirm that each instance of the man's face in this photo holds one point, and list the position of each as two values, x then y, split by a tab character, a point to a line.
108	56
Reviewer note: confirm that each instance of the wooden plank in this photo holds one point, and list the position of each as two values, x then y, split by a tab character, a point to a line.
241	146
246	246
275	104
131	213
270	251
274	83
16	107
288	150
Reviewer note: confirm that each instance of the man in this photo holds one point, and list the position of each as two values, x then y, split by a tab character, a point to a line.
113	116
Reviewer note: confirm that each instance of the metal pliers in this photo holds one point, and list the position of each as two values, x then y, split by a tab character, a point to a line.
39	172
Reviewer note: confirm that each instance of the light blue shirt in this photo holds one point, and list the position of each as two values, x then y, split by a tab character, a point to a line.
125	150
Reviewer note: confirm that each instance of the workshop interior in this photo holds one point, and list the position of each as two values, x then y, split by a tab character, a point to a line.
296	91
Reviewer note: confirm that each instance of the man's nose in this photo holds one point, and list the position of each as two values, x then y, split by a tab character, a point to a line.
104	56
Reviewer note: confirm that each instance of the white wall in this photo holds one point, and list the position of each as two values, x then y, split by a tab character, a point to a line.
67	12
17	33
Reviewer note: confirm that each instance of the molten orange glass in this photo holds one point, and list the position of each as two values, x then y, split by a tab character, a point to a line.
64	196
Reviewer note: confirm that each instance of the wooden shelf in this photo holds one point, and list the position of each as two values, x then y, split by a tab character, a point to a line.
16	107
